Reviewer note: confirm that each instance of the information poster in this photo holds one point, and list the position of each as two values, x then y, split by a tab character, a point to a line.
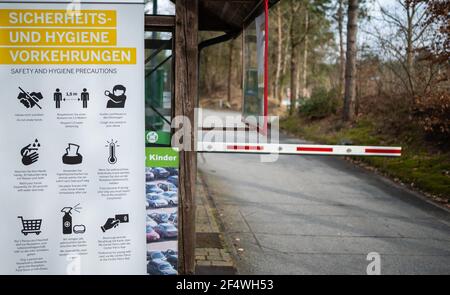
162	211
71	149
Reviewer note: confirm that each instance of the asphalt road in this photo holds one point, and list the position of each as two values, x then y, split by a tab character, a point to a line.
322	215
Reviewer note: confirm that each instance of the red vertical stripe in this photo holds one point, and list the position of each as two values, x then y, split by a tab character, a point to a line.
266	66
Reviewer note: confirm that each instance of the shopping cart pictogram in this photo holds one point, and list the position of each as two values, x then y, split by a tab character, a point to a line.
31	226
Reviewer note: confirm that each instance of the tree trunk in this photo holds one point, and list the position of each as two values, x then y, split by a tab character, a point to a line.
305	69
230	70
293	49
340	19
305	57
410	11
286	53
299	76
279	55
350	70
293	81
285	68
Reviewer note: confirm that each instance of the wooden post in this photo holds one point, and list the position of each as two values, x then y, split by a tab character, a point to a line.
186	79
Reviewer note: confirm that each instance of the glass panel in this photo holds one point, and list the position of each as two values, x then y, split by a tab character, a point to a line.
159	7
158	88
254	44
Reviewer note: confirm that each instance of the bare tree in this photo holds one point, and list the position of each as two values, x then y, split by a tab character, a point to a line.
295	8
305	56
230	70
400	44
340	21
299	74
279	52
298	35
350	69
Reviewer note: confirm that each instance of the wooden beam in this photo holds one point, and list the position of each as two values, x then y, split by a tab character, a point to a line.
186	83
159	22
158	44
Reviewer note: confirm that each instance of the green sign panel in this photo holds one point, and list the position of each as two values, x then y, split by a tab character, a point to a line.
161	157
157	137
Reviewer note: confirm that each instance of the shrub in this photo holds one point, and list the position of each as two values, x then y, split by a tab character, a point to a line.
321	104
433	113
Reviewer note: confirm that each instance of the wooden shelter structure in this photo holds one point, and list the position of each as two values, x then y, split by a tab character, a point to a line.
192	16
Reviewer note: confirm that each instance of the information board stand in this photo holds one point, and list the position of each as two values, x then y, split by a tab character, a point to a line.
72	149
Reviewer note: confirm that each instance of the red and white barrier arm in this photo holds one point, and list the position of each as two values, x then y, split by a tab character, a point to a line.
299	149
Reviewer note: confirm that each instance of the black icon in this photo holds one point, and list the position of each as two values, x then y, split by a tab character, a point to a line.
68	227
117	98
29	100
79	229
29	153
57	97
70	96
30	226
84	98
112	157
72	156
114	222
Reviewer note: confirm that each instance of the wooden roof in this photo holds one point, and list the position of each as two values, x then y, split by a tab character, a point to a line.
228	15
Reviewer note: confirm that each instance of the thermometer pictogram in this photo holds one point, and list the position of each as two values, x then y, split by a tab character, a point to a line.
112	157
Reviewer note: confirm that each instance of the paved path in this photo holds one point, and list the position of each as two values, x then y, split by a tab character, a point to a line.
322	215
211	254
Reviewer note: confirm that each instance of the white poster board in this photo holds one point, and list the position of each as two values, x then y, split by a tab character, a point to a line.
72	147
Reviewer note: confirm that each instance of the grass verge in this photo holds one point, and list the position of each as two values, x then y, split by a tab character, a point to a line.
420	167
